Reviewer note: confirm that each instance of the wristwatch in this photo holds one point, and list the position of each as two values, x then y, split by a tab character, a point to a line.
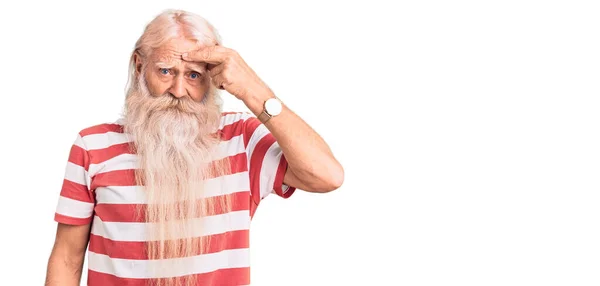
272	107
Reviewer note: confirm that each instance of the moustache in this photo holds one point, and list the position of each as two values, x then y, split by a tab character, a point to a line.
168	102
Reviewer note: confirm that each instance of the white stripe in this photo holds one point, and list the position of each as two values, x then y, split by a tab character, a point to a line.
232	118
231	147
260	132
121	162
105	140
109	138
74	208
127	161
223	185
269	169
136	231
204	263
79	142
120	195
225	119
76	174
228	184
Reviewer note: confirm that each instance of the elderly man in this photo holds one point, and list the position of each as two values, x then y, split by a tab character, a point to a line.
165	194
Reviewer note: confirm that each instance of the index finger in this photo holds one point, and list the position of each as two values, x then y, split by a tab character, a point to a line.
211	55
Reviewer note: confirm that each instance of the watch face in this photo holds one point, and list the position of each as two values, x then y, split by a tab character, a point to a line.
273	106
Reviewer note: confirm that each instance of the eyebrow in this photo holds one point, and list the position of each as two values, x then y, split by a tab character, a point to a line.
195	67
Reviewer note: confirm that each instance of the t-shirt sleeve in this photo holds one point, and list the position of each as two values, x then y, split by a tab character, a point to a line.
267	163
76	201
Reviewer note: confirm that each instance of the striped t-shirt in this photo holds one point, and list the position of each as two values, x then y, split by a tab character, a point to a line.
99	188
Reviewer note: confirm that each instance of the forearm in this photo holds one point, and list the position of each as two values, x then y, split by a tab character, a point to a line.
64	270
309	156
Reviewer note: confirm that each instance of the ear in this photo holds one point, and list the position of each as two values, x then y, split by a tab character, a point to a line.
138	63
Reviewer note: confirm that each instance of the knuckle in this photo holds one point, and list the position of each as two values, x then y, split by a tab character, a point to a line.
207	53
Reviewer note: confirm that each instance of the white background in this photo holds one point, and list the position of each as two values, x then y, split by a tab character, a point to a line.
469	133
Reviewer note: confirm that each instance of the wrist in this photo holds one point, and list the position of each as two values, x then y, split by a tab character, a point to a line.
256	100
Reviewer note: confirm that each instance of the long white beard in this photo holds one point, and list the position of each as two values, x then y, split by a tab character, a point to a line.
175	142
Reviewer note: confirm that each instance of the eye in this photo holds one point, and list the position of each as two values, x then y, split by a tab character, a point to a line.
195	75
164	71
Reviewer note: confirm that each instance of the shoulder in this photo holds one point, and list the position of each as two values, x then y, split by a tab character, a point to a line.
101	128
235	117
235	120
102	135
239	124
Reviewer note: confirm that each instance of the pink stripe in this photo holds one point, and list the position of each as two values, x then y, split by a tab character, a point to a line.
128	212
137	249
101	128
281	170
76	191
71	220
231	276
79	157
256	160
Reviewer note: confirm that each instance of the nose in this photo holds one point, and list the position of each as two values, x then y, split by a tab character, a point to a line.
178	89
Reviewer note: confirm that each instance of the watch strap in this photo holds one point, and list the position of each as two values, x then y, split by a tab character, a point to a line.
264	116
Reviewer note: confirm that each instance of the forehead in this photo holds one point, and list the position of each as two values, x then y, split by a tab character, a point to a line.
170	53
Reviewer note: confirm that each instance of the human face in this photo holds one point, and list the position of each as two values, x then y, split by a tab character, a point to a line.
167	74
